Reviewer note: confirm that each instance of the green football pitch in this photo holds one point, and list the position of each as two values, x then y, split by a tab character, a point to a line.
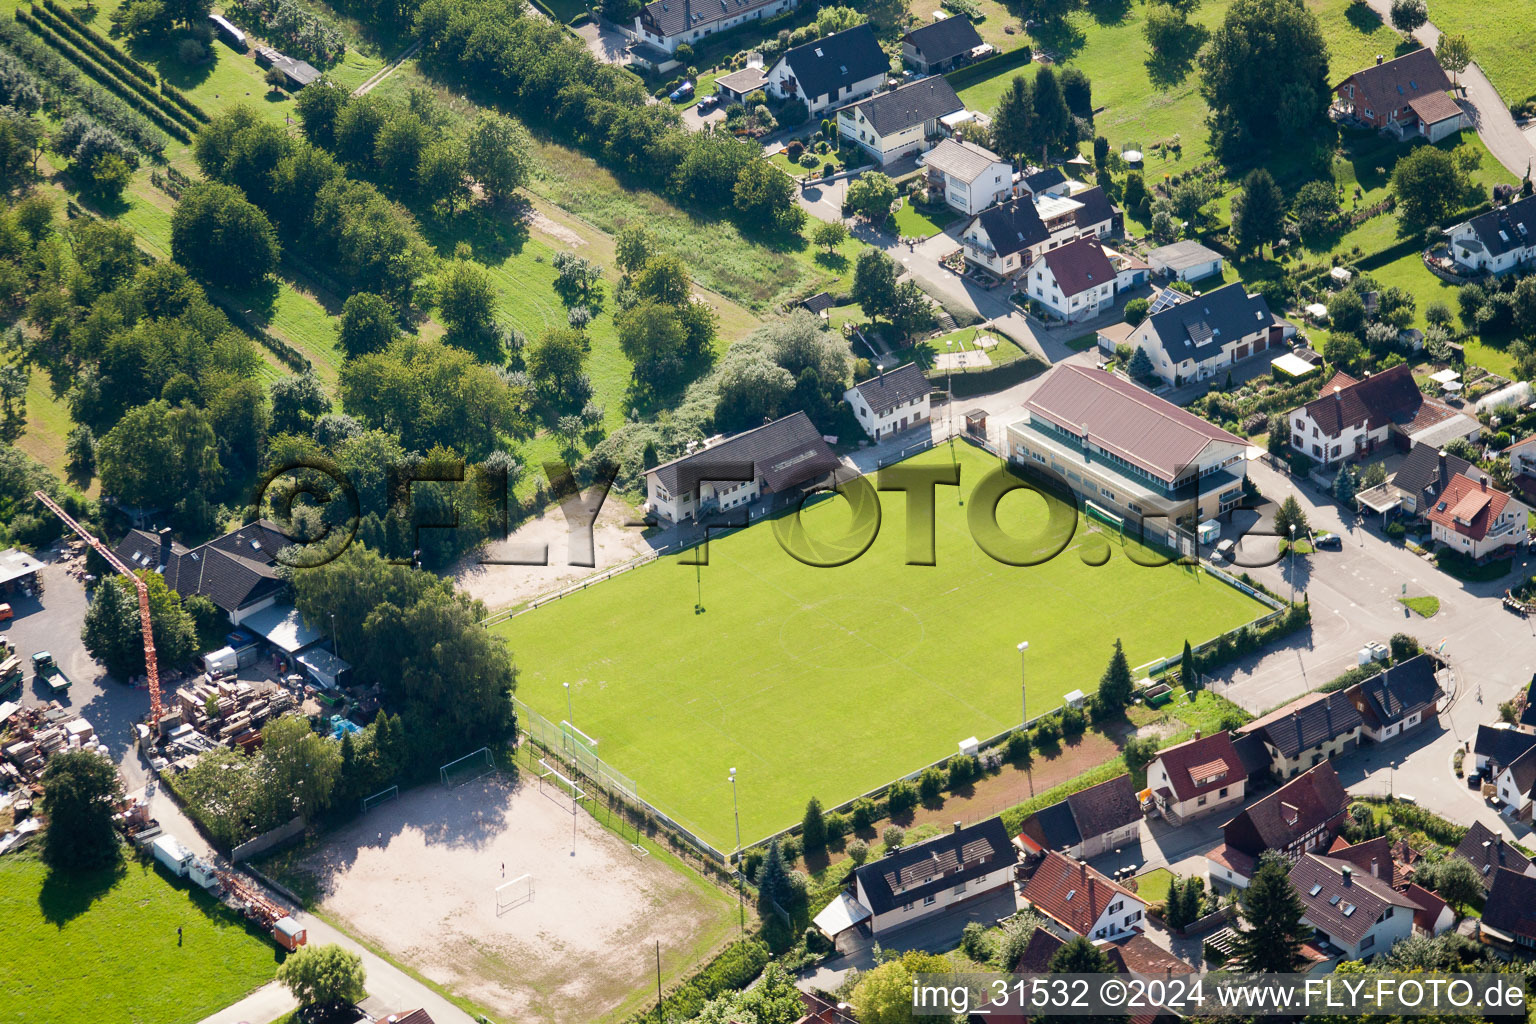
830	682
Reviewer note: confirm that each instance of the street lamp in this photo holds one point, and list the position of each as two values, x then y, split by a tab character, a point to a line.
1023	693
569	717
1293	563
741	899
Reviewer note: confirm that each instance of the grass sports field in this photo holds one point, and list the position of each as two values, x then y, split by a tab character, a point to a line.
103	947
831	682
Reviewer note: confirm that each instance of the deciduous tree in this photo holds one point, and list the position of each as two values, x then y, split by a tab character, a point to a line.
1264	74
79	790
324	976
222	237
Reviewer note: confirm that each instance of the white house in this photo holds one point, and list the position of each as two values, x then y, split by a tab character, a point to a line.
667	24
733	472
1185	260
1074	281
1007	238
1078	900
1206	335
1515	784
1359	914
892	401
831	71
1352	418
969	177
1498	241
1197	777
938	45
1398	700
896	124
1498	745
930	877
1475	518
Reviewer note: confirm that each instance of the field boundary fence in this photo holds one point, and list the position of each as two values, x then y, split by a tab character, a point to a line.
573	588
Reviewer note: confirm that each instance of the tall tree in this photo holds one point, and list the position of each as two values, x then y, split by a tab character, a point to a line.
1080	956
1290	513
466	302
1408	16
1264	74
1428	184
871	195
222	237
1258	215
1271	933
326	976
1077	91
368	324
299	767
1053	125
1188	673
874	282
1116	686
499	154
813	828
79	790
1013	123
773	879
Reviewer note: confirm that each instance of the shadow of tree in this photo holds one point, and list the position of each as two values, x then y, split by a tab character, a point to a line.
1108	12
1170	68
259	302
64	896
833	261
1361	16
1062	38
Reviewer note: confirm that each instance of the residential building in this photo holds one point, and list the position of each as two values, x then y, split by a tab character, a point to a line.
927	878
896	124
1086	824
667	24
1185	260
1352	418
938	45
1499	746
738	85
1359	915
1048	182
1306	732
1498	241
1074	281
1302	816
1128	451
1522	467
1434	916
1515	784
1472	517
238	572
1379	858
1077	900
1036	958
1424	473
1009	238
1197	339
1509	916
1257	760
831	71
891	402
1407	96
969	177
1398	700
732	472
1195	778
1488	851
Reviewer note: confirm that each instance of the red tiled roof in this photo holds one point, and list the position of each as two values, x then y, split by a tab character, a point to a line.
1437	106
1431	906
1468	507
1140	955
1198	759
1386	397
1079	266
1072	892
1385	87
1376	852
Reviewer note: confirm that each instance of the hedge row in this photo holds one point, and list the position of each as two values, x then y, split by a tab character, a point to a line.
170	125
1408	246
94	41
180	99
145	87
973	73
733	970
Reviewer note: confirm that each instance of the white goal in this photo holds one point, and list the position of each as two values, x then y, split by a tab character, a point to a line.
514	893
383	796
474	765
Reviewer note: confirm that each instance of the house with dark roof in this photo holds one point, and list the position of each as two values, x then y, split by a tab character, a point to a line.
1488	851
1085	824
733	472
1424	472
1195	778
1355	913
1509	916
1256	759
738	85
1077	900
831	71
1009	238
938	45
1302	816
1126	450
1074	281
1407	96
296	73
1306	732
1499	746
1351	418
899	123
1399	699
938	874
1049	181
237	572
1204	336
1498	241
1473	517
891	401
667	24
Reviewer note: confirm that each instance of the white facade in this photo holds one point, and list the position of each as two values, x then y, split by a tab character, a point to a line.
706	22
239	615
1196	806
1172	368
727	494
1082	305
1508	528
854	127
971	186
1395	925
935	903
880	424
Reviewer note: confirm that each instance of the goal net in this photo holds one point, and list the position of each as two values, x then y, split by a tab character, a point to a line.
562	785
514	893
474	765
383	796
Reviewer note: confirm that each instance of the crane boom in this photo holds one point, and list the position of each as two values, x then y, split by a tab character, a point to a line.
151	666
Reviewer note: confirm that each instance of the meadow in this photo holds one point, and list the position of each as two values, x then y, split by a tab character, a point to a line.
830	682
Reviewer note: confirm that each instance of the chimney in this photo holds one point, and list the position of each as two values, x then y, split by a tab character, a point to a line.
165	545
1443	455
1375	871
957	826
1378	58
1349	876
1483	482
1197	734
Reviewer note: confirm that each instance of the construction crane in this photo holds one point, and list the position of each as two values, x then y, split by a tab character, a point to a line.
150	664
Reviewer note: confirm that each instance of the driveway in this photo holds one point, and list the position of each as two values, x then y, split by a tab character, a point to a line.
1488	110
606	42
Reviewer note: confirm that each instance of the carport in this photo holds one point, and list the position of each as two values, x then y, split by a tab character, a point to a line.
18	571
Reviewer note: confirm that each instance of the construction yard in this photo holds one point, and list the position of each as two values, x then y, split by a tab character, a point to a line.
417	878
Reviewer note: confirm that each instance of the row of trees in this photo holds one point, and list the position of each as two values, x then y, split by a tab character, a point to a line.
1041	116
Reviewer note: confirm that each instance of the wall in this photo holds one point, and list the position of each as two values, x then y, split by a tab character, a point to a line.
266	841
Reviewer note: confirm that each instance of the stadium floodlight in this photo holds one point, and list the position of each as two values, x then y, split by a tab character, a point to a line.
1023	694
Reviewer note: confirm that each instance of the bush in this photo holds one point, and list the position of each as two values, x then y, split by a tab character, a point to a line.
1396	530
1403	646
1017	747
794	149
751	860
858	851
1073	722
930	783
1048	732
731	971
963	769
837	824
901	797
893	837
975	942
865	813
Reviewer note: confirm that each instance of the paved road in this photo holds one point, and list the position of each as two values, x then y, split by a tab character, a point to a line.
1490	112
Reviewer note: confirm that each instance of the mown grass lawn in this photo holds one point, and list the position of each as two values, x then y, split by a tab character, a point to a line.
1153	886
102	947
751	660
913	221
993	27
1426	607
1355	35
1503	38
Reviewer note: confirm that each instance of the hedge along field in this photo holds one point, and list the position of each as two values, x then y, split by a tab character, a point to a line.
832	682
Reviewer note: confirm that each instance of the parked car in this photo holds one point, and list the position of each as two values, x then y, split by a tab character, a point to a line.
1328	541
1224	551
709	103
682	93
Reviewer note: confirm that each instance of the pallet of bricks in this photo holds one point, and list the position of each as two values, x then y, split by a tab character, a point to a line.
240	710
37	734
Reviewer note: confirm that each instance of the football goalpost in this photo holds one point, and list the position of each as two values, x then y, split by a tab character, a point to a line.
383	796
475	765
564	785
514	893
